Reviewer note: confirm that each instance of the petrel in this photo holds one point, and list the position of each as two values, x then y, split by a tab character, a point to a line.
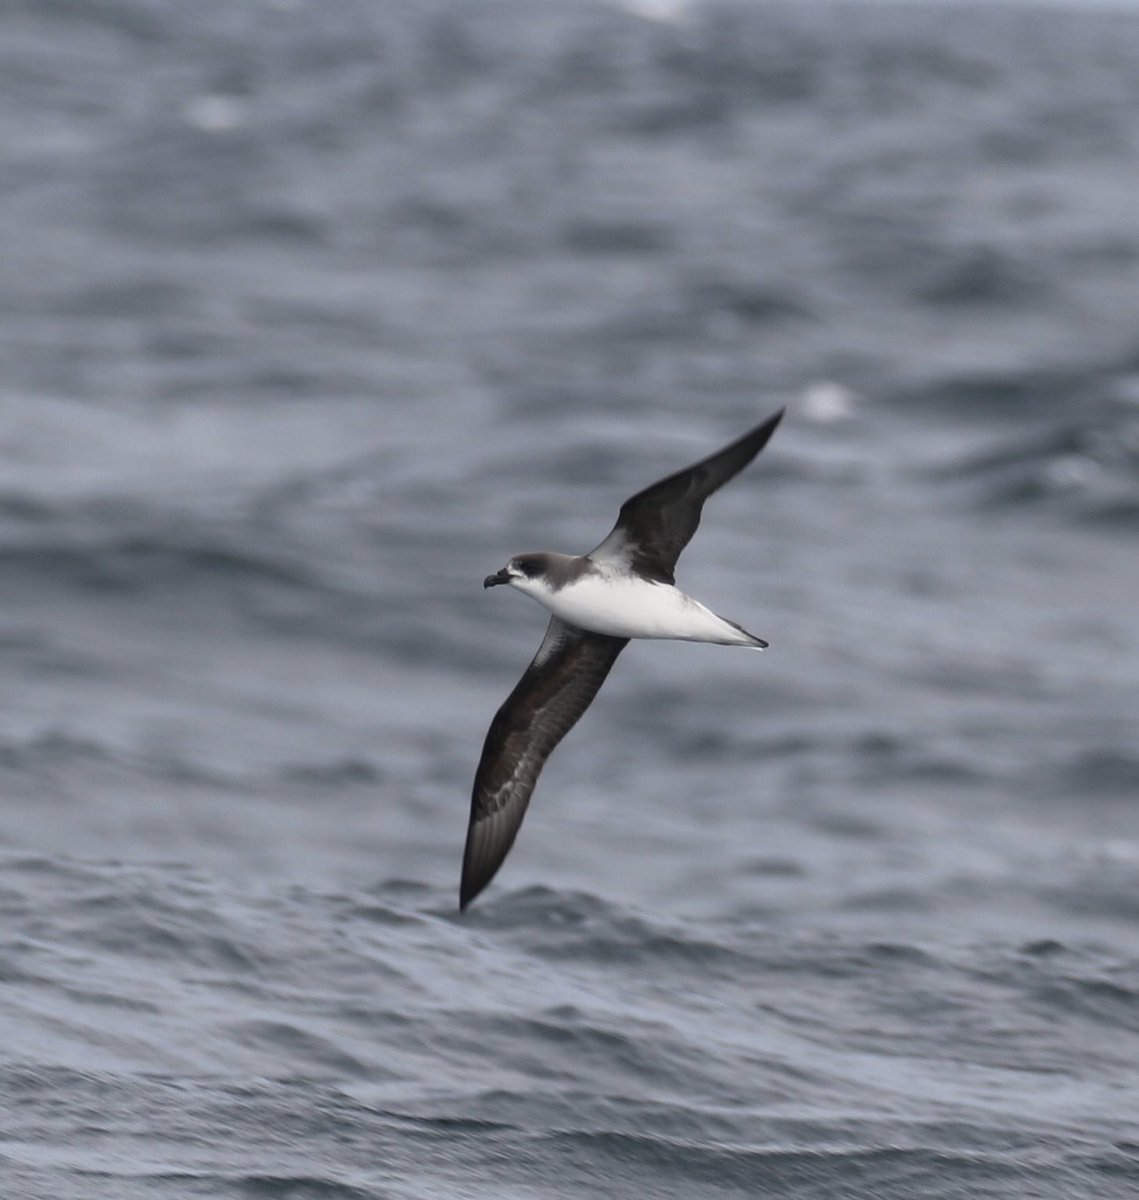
622	589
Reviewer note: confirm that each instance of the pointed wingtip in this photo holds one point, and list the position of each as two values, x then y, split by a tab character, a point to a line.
758	437
469	887
466	895
482	856
774	419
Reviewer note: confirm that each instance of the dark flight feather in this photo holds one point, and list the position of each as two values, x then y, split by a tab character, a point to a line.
556	689
655	525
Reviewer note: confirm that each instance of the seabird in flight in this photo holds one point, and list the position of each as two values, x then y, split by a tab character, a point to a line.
623	589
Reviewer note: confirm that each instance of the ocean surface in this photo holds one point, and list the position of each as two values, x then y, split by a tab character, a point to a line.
311	315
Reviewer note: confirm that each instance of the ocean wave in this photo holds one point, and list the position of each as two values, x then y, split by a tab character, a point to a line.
1083	464
315	311
138	562
546	1029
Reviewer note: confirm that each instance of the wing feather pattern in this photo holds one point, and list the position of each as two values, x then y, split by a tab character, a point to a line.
555	690
655	525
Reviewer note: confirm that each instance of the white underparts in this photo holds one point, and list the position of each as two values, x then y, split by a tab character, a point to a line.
628	606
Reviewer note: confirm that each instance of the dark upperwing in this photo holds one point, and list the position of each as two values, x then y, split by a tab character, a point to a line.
655	525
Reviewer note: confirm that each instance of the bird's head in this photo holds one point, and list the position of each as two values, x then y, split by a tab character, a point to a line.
526	572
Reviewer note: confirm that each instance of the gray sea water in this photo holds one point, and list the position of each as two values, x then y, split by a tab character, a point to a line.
311	315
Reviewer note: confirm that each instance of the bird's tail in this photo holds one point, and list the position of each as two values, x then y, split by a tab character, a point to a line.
745	638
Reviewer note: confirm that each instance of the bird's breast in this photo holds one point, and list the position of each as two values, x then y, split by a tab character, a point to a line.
626	606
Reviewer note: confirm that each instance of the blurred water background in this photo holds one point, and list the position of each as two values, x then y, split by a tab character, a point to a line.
311	314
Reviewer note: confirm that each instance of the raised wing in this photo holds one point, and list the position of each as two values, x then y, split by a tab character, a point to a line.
556	689
656	524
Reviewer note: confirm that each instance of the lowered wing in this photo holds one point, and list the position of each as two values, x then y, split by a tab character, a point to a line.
556	689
